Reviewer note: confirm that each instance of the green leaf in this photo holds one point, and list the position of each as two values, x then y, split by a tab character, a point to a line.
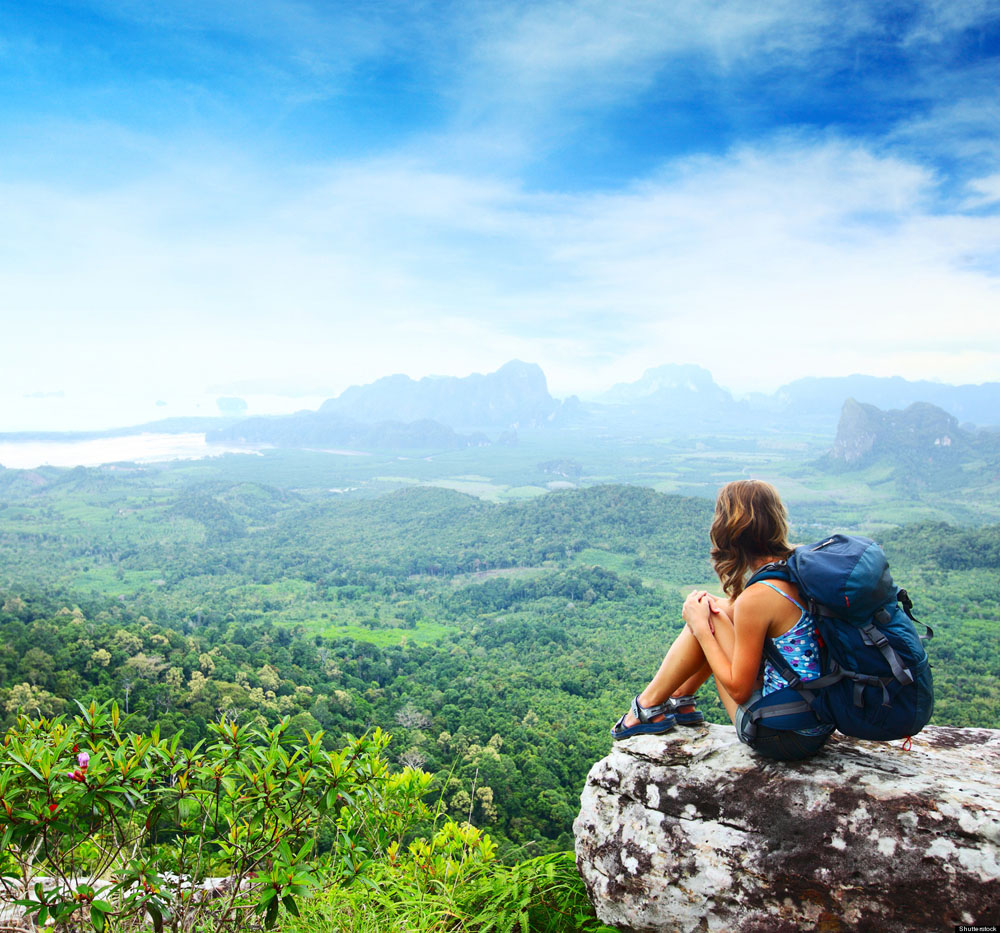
25	765
97	917
272	913
290	905
186	808
304	851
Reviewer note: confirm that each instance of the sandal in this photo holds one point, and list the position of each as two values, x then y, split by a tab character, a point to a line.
693	717
644	714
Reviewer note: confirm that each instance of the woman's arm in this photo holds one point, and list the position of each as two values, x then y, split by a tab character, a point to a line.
733	644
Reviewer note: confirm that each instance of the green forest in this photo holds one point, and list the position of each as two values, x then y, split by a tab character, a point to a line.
494	642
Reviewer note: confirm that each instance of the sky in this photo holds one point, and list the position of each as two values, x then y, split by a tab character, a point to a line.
280	199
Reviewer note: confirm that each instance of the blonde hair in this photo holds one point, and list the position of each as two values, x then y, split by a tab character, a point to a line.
750	523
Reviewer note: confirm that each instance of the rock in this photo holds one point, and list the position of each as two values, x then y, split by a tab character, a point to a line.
14	919
692	831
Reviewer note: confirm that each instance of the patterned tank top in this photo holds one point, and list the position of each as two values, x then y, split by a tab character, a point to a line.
799	646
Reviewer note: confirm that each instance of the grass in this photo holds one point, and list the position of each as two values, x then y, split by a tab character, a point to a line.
524	492
479	488
541	895
595	557
470	579
425	633
108	580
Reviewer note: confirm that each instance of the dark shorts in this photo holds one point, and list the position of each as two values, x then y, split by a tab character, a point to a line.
777	744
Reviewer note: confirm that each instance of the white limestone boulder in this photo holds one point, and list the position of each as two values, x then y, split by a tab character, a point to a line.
690	831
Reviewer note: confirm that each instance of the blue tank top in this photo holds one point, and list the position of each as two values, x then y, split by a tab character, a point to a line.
799	646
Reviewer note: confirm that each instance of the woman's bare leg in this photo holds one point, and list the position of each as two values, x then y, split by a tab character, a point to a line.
726	636
691	685
683	667
727	701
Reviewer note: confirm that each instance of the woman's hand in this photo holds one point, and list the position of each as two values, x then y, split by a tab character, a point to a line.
718	607
697	613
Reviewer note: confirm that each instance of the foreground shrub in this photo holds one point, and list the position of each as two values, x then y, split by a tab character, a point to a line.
126	832
129	830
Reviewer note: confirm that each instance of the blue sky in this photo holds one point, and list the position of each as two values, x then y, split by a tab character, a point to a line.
198	197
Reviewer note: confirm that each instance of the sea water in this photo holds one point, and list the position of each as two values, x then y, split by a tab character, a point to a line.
134	448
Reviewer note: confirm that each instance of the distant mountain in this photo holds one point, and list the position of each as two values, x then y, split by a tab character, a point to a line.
817	401
674	396
686	397
516	395
922	443
445	412
671	381
325	430
398	412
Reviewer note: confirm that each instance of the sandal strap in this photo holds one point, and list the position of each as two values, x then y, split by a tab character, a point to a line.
646	713
684	701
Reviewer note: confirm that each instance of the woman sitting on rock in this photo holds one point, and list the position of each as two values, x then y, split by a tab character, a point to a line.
724	637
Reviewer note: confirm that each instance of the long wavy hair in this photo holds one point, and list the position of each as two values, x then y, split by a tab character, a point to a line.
750	524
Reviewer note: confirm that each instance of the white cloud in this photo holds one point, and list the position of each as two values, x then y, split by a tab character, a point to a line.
593	48
935	21
983	192
138	264
533	74
530	79
796	257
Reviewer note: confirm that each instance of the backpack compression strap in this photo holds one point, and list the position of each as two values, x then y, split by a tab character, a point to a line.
873	636
903	598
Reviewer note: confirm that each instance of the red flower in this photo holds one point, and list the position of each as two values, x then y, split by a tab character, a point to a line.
53	807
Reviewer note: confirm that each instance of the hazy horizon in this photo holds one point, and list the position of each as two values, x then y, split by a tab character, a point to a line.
62	412
320	195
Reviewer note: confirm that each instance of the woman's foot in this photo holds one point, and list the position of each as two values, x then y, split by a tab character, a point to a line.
685	710
644	720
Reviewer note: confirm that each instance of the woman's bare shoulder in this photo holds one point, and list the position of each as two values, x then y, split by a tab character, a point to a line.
753	595
756	601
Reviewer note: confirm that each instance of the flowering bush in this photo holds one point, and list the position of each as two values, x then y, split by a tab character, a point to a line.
126	831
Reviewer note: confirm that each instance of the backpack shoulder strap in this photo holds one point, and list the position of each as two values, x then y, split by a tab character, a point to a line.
776	570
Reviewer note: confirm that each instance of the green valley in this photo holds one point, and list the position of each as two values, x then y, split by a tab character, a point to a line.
496	641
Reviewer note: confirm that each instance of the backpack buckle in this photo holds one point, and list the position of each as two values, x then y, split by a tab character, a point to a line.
872	635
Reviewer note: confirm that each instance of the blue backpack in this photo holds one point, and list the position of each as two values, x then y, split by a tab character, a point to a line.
876	680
